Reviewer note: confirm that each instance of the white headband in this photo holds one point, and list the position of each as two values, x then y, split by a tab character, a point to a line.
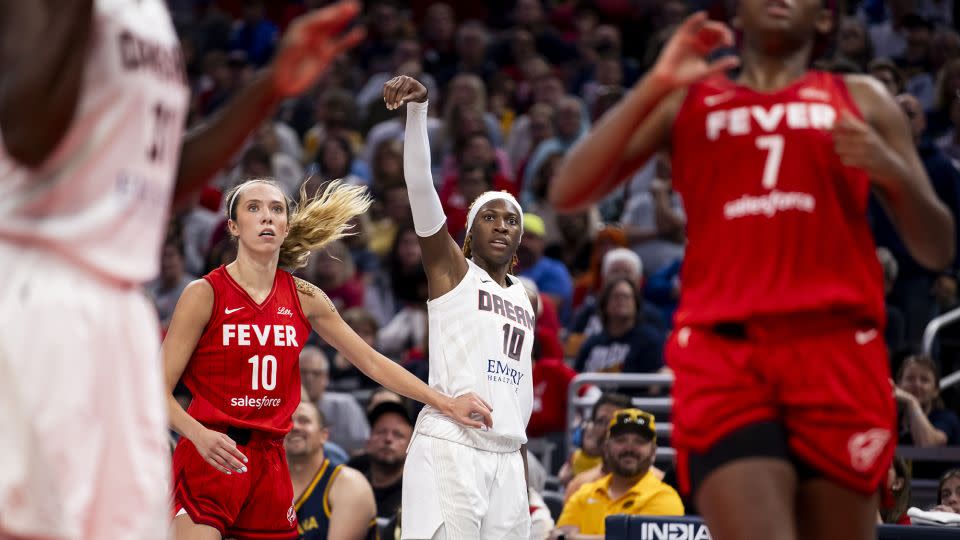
488	196
233	198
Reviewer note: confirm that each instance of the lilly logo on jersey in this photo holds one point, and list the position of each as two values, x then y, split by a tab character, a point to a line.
498	371
284	311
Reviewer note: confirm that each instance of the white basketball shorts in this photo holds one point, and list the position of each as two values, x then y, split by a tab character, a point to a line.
83	427
469	493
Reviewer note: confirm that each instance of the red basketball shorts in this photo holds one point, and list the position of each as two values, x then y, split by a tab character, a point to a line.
255	505
826	383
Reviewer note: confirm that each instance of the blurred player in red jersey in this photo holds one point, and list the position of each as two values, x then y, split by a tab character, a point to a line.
783	412
93	102
236	336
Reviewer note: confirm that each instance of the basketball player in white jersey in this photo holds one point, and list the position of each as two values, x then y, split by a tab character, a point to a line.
464	483
93	101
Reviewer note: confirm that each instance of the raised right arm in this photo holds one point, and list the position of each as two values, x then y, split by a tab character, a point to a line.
443	261
639	125
43	50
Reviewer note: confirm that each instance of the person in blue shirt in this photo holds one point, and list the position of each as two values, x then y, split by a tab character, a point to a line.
551	276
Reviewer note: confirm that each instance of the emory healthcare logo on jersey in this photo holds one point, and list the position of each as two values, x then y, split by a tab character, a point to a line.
498	371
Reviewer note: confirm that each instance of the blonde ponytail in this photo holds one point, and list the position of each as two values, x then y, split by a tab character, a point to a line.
320	220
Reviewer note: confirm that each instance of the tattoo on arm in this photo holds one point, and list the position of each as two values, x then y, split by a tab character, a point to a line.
312	290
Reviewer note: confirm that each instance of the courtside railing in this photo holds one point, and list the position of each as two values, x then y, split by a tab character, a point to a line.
930	335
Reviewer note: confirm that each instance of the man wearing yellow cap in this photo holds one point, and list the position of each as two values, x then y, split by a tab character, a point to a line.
630	488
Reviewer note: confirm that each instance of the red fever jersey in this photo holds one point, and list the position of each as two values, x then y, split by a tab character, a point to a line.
776	223
245	369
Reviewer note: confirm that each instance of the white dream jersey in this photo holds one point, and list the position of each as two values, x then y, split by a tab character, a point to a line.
103	197
481	340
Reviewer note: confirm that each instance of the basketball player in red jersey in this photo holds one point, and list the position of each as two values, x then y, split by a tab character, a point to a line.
93	103
235	337
783	411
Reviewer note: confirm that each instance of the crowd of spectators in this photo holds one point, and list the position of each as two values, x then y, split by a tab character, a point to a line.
512	85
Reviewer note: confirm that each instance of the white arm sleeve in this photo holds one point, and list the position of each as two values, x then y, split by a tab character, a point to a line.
425	206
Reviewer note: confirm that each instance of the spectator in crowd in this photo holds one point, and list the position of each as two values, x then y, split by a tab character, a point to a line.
885	71
944	47
406	51
460	191
915	60
395	214
590	283
895	332
630	487
173	279
574	241
392	287
255	35
386	166
895	500
663	290
914	290
347	424
627	343
948	492
853	42
570	123
924	421
404	336
197	223
332	269
330	500
334	161
653	217
551	276
467	91
886	26
336	113
943	120
592	435
384	452
551	379
618	263
439	33
284	162
540	128
344	376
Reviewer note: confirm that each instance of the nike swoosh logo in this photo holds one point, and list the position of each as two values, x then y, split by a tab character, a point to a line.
229	311
486	281
865	336
710	101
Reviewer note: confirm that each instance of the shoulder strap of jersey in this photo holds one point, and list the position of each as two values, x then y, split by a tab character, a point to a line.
326	491
317	479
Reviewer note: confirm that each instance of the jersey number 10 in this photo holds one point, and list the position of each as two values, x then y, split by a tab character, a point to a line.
264	374
513	341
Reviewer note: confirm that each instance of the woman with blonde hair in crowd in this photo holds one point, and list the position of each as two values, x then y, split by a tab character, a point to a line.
235	339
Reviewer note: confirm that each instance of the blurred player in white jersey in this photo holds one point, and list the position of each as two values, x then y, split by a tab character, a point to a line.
461	482
93	101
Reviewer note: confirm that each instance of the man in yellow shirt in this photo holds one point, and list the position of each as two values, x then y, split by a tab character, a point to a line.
630	488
